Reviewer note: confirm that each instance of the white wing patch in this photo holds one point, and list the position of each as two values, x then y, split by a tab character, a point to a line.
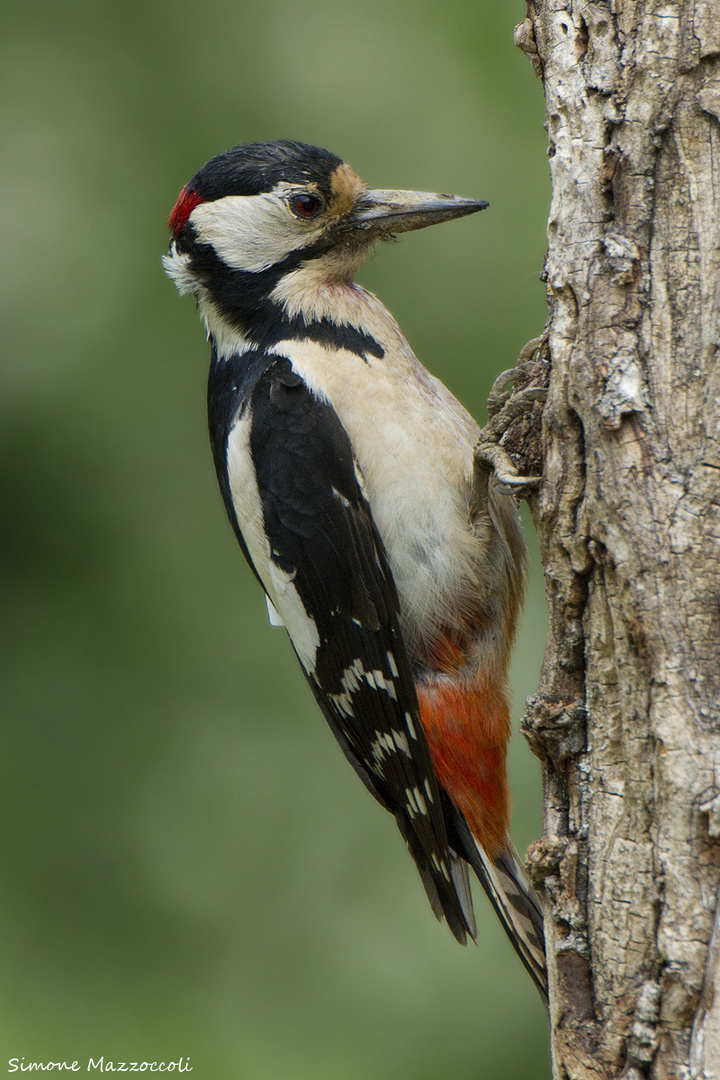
351	679
400	740
415	802
389	743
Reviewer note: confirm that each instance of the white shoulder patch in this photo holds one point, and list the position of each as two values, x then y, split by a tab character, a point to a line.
301	626
284	597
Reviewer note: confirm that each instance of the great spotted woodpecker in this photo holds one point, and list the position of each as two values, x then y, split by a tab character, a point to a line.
351	479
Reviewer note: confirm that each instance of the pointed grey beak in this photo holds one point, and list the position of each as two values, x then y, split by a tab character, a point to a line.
384	213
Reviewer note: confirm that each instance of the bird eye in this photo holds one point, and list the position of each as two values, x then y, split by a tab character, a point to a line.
306	205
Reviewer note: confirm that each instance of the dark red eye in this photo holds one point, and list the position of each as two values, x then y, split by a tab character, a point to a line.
306	205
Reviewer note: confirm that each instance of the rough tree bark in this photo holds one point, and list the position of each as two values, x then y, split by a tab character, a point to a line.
626	718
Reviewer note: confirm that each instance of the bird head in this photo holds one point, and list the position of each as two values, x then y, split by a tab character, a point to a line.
260	212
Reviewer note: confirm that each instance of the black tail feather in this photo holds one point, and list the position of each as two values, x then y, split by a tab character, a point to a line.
516	903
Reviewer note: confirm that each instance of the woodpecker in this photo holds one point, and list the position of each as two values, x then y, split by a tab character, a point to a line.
352	482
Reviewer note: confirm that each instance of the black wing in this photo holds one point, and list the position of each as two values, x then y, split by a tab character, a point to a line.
323	539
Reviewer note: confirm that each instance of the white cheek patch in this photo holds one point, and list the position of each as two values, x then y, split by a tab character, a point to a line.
252	232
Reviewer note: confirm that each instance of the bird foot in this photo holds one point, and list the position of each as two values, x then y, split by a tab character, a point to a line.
511	421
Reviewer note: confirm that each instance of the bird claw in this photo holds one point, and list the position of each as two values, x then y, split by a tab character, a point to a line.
503	474
499	392
508	483
514	405
504	406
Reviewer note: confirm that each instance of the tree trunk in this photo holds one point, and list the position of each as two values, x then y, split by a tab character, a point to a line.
626	717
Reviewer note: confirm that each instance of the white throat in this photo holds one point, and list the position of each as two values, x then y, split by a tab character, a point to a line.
323	288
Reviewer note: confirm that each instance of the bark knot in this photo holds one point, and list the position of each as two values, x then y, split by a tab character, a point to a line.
524	38
555	730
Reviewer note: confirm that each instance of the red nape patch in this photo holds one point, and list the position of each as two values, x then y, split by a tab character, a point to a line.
183	208
467	729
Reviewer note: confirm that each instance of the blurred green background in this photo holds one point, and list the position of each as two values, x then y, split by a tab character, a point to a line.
189	867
